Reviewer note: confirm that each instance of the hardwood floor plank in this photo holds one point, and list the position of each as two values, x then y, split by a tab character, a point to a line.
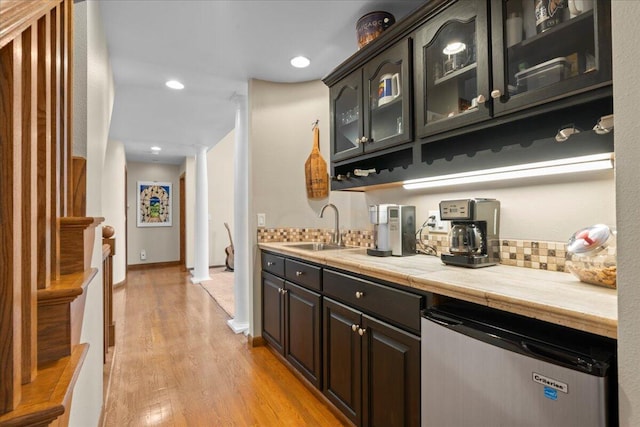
177	363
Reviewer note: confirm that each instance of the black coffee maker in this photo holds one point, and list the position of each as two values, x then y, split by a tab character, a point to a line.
474	238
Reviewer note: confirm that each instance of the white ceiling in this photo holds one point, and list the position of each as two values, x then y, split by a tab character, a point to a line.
214	47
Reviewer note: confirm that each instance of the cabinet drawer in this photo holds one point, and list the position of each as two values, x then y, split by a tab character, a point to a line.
273	264
400	307
303	274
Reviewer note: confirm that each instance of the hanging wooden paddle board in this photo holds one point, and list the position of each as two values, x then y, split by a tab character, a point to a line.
315	170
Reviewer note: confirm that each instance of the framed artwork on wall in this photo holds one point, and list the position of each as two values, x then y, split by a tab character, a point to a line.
154	204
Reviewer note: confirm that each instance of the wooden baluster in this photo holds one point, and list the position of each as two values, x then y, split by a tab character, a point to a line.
29	203
55	142
44	153
10	224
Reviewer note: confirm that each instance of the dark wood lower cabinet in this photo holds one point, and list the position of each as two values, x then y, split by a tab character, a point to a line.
342	356
371	369
272	311
302	325
291	322
391	375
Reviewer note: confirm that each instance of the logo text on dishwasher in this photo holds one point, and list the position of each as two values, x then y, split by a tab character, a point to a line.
550	382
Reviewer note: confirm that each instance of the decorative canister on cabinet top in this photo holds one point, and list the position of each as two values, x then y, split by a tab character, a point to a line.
372	25
591	255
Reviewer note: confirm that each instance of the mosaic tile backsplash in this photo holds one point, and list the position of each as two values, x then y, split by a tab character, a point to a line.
519	253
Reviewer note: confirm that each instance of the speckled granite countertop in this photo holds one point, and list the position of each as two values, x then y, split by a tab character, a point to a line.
551	296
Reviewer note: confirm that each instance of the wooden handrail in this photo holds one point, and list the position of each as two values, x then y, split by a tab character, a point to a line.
18	15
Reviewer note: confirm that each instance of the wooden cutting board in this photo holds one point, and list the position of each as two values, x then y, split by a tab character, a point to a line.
315	170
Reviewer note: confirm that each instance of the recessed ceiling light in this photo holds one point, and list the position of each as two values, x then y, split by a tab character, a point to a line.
156	148
174	84
300	62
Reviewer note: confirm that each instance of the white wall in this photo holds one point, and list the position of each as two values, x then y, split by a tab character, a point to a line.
113	204
162	244
625	16
280	139
220	166
94	89
281	115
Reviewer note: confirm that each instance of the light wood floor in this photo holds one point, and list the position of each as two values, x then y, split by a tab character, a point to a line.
177	363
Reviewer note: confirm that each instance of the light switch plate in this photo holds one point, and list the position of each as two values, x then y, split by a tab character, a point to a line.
262	220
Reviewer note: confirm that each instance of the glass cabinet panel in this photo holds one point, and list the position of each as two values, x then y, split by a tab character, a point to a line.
347	117
451	71
385	102
547	43
551	49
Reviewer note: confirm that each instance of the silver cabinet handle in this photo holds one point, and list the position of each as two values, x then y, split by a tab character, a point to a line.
299	273
284	291
355	327
269	263
361	331
496	93
359	294
481	99
280	290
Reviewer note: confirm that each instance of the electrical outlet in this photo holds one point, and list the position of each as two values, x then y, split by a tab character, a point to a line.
143	255
437	225
262	220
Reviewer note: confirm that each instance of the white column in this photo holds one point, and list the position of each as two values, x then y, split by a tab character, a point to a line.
240	323
201	229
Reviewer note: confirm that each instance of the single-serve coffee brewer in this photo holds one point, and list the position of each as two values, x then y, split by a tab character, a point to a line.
394	230
474	239
379	217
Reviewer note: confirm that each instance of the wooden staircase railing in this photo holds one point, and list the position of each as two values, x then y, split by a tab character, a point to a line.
45	251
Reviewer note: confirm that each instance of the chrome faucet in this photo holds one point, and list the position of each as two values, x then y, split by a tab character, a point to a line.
337	238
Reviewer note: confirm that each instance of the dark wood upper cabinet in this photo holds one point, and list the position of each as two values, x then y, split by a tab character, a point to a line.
371	107
452	69
472	65
533	67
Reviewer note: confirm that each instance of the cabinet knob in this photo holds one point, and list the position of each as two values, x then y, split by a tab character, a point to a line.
355	327
361	331
269	263
280	290
481	99
496	93
364	140
284	291
359	294
299	273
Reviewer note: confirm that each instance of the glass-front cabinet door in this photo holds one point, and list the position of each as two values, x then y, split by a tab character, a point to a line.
547	49
452	69
347	124
388	86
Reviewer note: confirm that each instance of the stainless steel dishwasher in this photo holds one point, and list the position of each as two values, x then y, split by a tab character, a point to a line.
486	368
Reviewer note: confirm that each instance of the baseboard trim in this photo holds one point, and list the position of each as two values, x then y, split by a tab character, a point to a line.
255	341
137	267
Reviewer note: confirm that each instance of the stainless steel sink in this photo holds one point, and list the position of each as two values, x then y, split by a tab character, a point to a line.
315	246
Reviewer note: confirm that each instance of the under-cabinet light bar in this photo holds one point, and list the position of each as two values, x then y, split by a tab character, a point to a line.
553	167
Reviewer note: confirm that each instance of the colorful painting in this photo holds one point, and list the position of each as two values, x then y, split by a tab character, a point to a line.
154	204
